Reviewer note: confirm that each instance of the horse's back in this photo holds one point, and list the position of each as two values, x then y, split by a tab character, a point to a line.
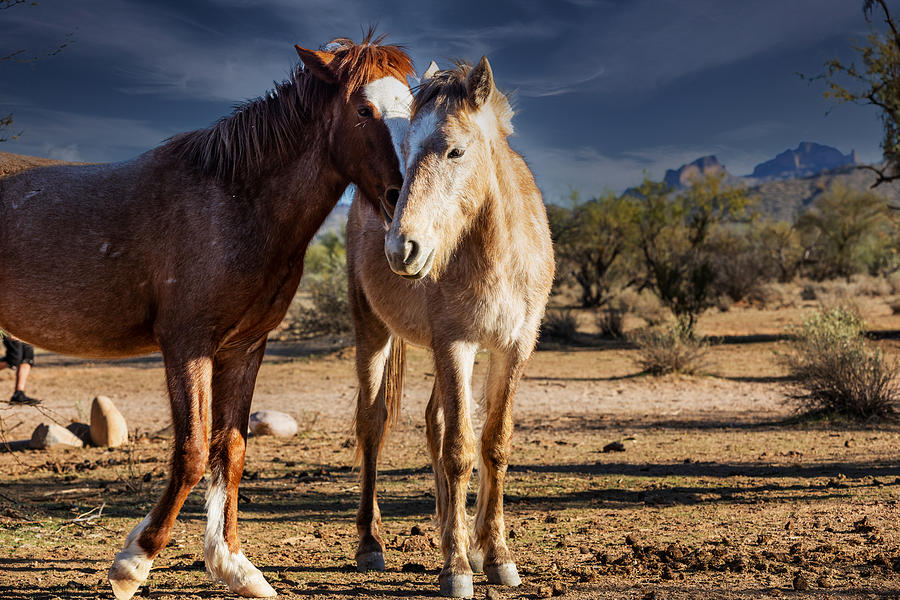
67	239
10	163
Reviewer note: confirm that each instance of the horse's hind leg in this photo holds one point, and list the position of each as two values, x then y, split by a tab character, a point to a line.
373	346
188	377
234	377
453	376
503	378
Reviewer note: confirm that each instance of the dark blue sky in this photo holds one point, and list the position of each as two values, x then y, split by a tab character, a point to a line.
604	89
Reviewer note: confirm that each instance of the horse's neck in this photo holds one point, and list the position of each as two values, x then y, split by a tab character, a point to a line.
497	227
298	196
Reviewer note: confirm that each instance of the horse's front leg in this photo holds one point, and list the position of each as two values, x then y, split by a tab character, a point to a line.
503	379
234	377
453	376
434	430
188	374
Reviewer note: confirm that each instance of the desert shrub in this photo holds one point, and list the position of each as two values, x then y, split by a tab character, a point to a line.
673	348
836	370
894	282
593	242
870	285
559	326
611	319
809	291
322	306
676	239
847	231
649	308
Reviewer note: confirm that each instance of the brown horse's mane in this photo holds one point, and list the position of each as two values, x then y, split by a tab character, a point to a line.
447	91
271	127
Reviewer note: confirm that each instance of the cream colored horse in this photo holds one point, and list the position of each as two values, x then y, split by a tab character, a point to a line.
469	264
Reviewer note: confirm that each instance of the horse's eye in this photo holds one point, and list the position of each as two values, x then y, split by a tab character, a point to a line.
456	153
364	111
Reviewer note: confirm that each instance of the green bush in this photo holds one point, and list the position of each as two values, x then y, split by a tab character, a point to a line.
836	370
671	348
321	306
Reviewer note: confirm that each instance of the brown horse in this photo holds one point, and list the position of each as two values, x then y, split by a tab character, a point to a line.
196	248
469	238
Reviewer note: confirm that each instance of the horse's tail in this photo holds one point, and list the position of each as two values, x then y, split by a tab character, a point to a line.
391	392
392	384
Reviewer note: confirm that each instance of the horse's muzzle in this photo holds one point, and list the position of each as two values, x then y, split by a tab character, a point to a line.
407	257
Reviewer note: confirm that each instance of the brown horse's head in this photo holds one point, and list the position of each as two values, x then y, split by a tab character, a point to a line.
458	117
370	112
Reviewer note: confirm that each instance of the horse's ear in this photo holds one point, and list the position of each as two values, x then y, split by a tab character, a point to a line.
430	72
480	83
317	62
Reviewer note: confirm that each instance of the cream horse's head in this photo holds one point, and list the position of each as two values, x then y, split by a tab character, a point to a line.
458	117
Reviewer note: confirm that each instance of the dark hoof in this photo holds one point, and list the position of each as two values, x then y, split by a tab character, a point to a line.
505	574
476	560
457	586
370	561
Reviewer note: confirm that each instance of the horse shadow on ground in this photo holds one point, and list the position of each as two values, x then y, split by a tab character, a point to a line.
278	499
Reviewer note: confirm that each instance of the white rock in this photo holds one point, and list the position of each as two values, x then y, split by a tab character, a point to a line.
49	436
108	427
272	422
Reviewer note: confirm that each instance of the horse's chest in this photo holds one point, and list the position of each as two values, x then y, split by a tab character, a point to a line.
496	311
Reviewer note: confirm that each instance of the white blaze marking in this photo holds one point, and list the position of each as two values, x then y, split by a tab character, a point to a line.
419	130
393	99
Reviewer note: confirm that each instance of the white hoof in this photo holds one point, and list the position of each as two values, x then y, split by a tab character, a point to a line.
505	574
254	586
456	586
238	573
128	572
131	566
370	561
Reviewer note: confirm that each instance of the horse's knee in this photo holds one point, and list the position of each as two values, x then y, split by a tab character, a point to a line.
495	457
192	465
459	461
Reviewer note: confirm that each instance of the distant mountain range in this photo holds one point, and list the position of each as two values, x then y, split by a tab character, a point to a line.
807	159
785	185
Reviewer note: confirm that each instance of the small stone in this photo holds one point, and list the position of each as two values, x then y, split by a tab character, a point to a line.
81	430
823	582
631	540
273	422
790	525
849	443
559	588
863	526
614	447
52	435
492	594
108	427
544	591
802	582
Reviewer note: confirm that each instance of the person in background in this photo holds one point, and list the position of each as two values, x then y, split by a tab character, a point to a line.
20	358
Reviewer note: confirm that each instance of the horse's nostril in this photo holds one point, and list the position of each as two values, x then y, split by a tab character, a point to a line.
391	196
411	251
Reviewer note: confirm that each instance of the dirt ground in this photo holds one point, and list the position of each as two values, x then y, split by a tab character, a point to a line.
718	493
